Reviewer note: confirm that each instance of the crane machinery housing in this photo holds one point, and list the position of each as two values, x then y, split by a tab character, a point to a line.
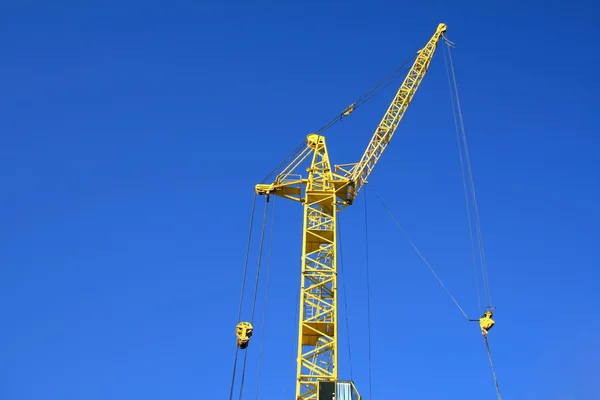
324	192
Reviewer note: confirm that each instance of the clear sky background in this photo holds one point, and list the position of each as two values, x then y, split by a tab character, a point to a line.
132	134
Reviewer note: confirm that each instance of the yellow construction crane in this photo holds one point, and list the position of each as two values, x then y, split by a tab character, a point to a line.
324	192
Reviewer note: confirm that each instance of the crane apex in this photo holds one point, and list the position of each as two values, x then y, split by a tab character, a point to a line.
312	140
441	28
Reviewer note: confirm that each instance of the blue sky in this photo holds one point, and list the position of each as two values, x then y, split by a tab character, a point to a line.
133	134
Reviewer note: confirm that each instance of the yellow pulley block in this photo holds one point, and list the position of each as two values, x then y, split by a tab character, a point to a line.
348	110
486	322
243	331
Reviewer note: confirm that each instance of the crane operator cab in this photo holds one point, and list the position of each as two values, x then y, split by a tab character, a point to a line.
337	390
243	331
486	322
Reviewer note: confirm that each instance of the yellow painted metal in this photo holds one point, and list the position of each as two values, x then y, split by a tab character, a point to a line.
359	172
323	194
243	331
318	317
486	322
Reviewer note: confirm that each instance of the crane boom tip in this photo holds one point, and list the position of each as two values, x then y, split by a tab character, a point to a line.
441	28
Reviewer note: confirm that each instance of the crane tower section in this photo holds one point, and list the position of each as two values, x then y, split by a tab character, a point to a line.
323	193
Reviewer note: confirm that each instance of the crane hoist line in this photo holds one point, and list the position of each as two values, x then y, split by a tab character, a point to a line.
325	190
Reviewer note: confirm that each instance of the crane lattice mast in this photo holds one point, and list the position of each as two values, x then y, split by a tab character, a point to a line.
323	193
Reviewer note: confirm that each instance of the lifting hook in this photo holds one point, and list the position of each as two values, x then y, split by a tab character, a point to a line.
243	331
